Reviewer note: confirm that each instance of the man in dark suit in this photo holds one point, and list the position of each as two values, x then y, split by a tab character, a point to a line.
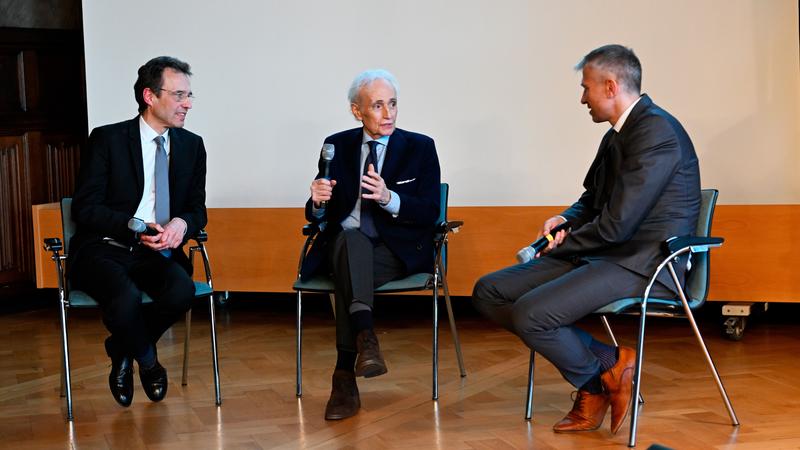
378	208
642	188
150	168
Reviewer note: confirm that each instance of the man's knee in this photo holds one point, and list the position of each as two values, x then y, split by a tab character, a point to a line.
178	295
485	294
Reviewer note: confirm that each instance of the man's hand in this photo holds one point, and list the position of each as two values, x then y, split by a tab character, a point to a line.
373	182
321	191
548	225
169	236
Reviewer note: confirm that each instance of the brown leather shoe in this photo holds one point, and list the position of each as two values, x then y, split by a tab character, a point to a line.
344	401
370	361
618	383
587	413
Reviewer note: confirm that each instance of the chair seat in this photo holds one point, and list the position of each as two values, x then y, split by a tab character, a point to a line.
654	305
414	282
80	299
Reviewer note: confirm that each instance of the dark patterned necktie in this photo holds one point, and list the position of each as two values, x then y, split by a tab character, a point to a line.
367	223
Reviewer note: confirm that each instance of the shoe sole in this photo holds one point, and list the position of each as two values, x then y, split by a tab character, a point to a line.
371	369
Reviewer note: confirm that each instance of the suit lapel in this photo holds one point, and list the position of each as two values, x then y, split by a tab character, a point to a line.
394	152
352	166
135	151
176	160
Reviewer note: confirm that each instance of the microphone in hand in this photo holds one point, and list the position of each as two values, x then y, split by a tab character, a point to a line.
528	253
327	152
139	227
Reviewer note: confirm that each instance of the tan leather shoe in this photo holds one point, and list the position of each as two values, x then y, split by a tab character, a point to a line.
344	401
370	361
618	383
587	413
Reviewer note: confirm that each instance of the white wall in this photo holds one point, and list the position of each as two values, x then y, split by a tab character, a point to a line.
491	82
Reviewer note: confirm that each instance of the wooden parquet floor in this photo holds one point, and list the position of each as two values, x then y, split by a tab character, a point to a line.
482	411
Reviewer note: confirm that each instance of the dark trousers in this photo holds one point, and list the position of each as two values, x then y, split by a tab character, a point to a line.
358	266
539	301
116	278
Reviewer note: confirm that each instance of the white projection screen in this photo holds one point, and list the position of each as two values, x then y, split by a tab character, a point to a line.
491	81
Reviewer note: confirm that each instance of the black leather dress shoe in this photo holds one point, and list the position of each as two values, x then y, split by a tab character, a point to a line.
370	361
120	380
344	401
154	382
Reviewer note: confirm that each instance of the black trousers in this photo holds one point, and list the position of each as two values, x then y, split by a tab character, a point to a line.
116	278
358	266
540	301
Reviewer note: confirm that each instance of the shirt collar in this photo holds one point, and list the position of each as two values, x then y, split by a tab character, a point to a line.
365	137
624	116
147	133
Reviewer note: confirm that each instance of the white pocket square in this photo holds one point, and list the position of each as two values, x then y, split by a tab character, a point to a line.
406	181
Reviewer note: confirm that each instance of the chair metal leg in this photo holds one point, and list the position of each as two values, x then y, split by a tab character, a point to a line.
613	338
453	329
332	298
637	373
185	376
704	348
435	394
66	378
214	355
529	396
299	346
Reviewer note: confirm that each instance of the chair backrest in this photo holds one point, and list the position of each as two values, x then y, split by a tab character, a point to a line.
697	280
444	193
67	224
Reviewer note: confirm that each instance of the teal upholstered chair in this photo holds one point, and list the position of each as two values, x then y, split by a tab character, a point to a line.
70	298
691	297
415	282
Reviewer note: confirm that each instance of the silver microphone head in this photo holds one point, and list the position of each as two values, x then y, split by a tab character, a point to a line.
137	225
525	255
328	151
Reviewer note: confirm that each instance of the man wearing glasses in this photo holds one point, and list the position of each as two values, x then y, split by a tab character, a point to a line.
149	168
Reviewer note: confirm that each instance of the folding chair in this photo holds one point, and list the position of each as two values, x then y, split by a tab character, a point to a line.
69	298
415	282
690	298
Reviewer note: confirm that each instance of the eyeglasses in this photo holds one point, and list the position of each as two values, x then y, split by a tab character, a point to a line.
180	95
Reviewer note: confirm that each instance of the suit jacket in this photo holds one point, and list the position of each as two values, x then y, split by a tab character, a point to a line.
111	183
411	170
642	188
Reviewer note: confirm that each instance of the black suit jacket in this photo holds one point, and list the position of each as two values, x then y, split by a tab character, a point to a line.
111	183
642	188
411	170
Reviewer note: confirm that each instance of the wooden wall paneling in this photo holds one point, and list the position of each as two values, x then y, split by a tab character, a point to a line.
61	162
15	229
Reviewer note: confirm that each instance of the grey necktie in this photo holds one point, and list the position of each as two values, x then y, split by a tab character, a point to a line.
162	186
162	182
367	223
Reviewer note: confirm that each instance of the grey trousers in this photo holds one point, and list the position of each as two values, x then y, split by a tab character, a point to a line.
358	266
539	301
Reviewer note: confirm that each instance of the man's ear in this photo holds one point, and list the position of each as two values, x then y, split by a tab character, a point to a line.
356	112
612	88
148	95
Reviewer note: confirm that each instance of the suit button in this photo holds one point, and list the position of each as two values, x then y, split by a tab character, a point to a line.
419	246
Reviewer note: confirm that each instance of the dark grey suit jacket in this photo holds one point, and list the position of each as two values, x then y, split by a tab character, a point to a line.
642	188
111	182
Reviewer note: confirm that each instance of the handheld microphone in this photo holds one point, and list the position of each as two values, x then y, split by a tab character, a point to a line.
528	253
138	226
327	153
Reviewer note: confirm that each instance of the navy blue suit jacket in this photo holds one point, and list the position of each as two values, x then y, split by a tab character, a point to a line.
411	170
111	183
642	188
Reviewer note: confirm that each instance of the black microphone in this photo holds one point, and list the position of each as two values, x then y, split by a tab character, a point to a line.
138	226
327	153
528	253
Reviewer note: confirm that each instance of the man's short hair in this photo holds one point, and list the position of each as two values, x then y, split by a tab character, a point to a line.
368	76
151	76
619	60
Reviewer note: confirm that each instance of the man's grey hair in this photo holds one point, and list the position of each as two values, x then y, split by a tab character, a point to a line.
368	76
619	60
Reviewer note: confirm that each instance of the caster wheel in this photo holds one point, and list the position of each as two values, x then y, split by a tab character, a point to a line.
734	328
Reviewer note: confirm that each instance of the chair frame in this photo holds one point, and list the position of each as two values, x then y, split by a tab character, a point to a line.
437	280
55	246
677	247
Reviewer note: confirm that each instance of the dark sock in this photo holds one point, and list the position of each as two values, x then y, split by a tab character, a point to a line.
607	355
361	320
346	360
148	359
594	385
